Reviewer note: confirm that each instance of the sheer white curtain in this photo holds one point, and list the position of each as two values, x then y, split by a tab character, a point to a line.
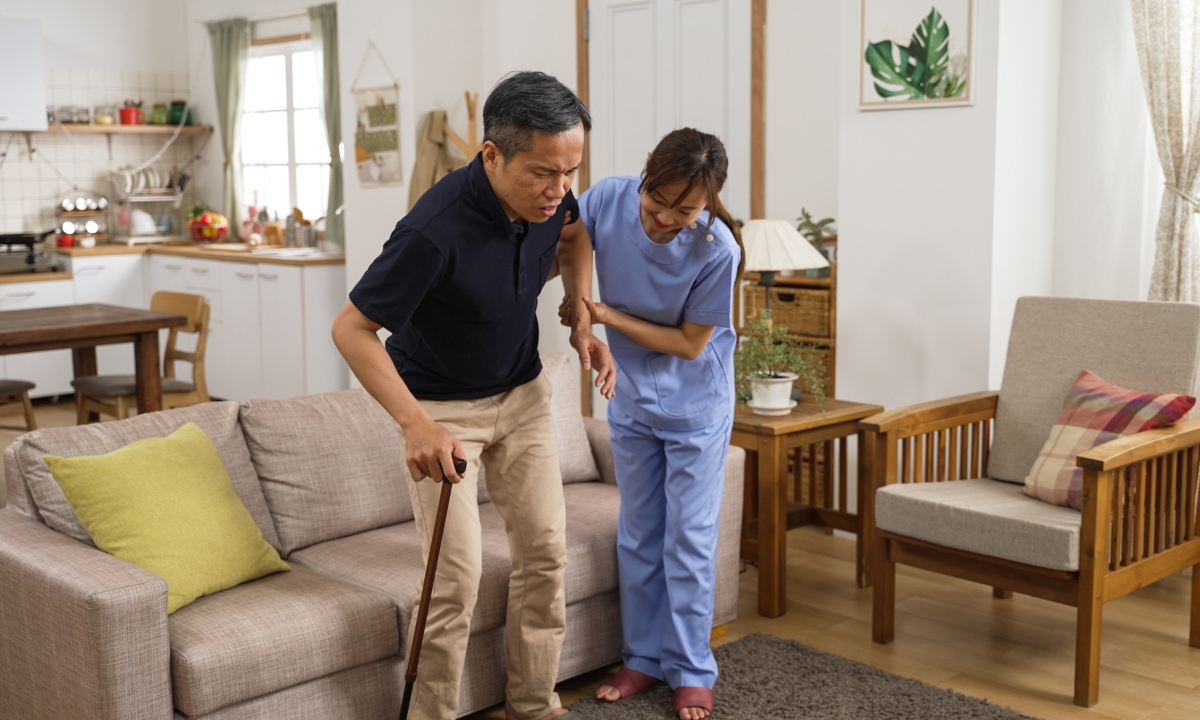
230	48
1168	42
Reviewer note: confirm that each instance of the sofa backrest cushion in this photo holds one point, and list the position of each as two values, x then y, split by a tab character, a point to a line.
574	453
330	465
1151	346
218	420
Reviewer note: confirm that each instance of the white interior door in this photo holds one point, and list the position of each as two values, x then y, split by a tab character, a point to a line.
658	65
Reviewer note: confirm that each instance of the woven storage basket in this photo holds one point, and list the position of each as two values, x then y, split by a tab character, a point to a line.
800	310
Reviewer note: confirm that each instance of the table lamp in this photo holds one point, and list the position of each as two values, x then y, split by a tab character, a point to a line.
774	245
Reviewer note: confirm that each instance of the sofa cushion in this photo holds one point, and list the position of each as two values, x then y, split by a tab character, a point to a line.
982	516
167	505
574	453
274	633
218	420
330	465
1148	345
390	560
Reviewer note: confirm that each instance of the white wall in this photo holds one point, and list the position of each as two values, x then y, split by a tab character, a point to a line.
1027	85
133	35
915	195
1109	179
802	91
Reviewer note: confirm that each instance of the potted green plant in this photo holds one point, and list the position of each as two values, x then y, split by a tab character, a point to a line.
768	361
815	231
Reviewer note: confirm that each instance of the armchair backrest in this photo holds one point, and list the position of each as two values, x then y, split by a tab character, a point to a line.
1150	346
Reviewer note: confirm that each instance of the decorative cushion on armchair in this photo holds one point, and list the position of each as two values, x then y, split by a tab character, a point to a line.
1095	412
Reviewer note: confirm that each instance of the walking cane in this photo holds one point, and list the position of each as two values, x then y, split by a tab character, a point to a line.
435	548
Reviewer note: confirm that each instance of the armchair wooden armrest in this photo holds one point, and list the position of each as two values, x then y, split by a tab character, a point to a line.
930	442
1141	446
931	412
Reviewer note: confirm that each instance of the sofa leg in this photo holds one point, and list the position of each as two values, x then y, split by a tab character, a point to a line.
1001	594
1087	652
718	632
1194	635
883	608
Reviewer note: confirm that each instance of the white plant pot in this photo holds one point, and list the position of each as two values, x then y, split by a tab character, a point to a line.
772	394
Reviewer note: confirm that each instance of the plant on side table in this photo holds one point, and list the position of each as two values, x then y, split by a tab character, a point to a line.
768	361
816	232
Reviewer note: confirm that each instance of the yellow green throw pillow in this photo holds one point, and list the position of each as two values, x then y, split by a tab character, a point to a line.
168	505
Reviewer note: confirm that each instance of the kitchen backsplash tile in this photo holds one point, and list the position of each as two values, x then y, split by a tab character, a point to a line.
29	186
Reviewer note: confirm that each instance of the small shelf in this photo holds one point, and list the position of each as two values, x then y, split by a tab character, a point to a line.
82	213
154	197
130	129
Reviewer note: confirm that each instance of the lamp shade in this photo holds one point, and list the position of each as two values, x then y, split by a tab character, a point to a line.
773	245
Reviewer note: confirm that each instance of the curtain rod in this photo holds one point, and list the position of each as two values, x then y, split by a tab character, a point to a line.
265	18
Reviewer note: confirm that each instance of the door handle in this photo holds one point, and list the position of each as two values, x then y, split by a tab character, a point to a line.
200	271
13	296
91	269
245	276
268	276
173	267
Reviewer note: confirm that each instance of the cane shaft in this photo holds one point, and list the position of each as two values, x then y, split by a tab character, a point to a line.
435	549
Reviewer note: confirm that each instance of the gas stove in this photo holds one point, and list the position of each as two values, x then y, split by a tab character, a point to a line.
18	256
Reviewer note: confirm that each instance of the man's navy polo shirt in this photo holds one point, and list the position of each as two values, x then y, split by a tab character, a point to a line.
457	285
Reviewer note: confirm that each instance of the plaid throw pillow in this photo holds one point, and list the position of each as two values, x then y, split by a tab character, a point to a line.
1095	412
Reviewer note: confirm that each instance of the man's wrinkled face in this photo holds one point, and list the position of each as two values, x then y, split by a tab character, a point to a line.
532	183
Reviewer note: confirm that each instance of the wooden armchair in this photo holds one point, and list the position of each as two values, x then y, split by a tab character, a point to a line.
946	496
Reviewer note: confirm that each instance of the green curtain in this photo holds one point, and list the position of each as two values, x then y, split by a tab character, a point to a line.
230	47
323	21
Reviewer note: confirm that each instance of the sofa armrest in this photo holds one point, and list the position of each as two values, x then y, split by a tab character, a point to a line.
82	633
597	435
729	542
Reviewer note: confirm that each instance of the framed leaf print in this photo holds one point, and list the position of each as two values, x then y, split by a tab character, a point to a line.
914	53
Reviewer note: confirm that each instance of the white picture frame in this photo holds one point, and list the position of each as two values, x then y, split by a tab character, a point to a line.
899	30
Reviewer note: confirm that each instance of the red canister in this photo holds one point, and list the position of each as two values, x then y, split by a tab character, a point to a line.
131	116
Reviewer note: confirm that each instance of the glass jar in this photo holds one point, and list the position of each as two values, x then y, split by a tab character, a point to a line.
158	115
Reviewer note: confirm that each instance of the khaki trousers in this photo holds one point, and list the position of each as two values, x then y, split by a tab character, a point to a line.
512	434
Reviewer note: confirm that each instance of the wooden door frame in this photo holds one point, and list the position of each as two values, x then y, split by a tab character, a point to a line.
758	126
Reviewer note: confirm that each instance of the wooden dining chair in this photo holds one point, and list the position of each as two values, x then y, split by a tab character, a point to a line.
116	395
15	394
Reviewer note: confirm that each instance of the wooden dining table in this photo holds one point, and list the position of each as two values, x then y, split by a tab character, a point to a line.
81	328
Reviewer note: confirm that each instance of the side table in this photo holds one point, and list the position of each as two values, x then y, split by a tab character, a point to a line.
767	513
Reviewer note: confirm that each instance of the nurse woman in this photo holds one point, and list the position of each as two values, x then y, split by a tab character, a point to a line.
667	256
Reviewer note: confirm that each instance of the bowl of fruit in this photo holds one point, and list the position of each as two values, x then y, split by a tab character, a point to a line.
207	225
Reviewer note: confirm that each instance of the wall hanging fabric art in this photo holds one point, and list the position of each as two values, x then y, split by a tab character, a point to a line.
377	128
914	53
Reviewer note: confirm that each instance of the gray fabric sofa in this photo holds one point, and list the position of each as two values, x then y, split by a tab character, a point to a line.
84	635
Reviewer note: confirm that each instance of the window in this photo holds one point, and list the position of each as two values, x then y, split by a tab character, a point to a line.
285	159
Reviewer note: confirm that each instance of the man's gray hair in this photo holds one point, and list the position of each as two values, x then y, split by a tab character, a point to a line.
526	101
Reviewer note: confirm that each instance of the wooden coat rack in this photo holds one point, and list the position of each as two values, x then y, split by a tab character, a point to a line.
471	148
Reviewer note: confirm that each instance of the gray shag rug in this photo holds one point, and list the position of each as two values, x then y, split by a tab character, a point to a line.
769	677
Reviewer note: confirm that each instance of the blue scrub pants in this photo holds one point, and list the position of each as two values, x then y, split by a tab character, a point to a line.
671	484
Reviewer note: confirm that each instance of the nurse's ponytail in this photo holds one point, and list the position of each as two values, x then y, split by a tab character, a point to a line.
699	159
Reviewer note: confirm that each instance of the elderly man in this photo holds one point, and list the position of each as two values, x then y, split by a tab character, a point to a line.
457	286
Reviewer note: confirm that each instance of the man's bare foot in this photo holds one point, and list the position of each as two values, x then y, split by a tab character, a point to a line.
549	716
693	713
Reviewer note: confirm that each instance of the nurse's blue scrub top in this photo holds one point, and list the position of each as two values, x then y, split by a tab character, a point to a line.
689	278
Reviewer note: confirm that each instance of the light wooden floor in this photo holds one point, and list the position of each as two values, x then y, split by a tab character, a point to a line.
1016	652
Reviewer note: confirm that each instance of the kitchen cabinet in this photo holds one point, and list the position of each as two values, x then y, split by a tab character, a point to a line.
270	324
113	280
52	371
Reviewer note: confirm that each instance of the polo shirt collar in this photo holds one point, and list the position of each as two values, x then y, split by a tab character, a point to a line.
487	196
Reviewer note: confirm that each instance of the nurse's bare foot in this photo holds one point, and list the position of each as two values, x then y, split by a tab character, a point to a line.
625	684
552	714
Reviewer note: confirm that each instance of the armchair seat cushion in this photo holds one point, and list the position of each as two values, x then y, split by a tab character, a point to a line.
273	633
984	516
